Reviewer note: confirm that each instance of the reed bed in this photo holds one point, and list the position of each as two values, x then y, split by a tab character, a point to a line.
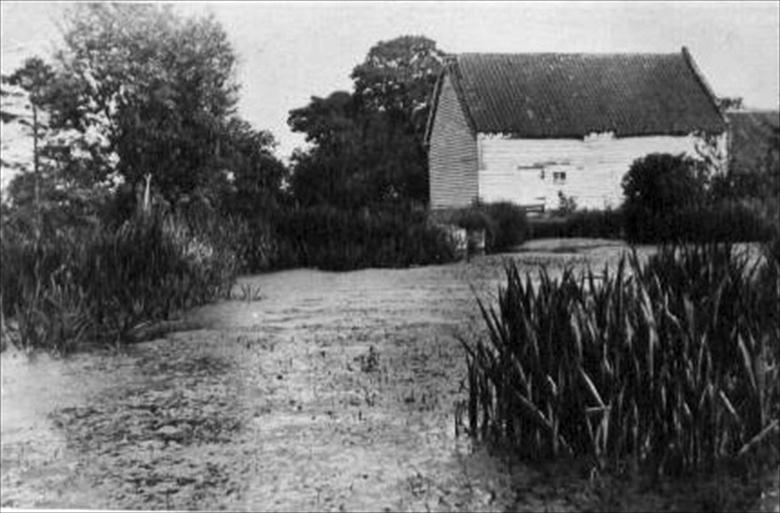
668	364
96	284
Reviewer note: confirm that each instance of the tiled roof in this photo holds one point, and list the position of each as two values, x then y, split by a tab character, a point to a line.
572	95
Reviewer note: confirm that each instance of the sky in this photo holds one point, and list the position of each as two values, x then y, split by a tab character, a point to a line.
291	51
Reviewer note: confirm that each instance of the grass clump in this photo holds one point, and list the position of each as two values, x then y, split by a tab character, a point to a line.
670	364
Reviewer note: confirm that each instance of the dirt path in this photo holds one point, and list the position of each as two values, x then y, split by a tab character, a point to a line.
335	391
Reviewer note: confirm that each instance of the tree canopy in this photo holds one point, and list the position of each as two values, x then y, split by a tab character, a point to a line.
160	87
138	91
399	76
368	144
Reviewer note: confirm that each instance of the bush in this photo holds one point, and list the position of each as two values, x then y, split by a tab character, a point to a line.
97	283
603	224
724	222
330	238
504	223
667	363
473	218
509	227
660	182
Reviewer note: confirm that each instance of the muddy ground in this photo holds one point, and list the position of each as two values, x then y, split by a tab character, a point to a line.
333	391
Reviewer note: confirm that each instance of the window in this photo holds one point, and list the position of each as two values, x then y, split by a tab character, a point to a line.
559	177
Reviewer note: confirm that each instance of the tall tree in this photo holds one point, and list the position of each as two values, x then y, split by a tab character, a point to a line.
398	77
160	88
254	175
367	145
32	79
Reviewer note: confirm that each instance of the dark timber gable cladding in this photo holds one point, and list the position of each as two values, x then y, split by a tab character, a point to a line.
452	153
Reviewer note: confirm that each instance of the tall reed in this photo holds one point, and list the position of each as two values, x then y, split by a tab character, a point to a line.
670	363
96	283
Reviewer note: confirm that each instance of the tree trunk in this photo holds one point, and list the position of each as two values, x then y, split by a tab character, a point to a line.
36	174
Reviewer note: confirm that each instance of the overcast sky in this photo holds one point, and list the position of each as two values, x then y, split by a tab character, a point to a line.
290	51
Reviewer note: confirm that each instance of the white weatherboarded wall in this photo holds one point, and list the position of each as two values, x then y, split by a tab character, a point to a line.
523	170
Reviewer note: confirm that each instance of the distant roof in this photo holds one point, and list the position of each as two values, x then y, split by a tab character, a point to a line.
752	134
573	95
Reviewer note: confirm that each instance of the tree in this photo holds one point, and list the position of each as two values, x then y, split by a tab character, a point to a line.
359	157
323	174
33	77
368	145
37	192
157	87
255	176
398	77
67	176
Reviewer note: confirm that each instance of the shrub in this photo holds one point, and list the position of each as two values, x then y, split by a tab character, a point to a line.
473	218
724	222
668	363
661	182
330	238
604	224
504	223
509	227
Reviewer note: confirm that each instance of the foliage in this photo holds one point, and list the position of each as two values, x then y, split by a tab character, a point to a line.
140	92
603	224
46	184
157	87
669	198
472	218
359	157
329	238
509	226
670	364
660	183
367	145
97	283
724	222
256	176
504	223
398	77
754	174
566	205
729	103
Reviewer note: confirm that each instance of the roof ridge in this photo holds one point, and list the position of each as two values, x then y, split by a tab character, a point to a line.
595	54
